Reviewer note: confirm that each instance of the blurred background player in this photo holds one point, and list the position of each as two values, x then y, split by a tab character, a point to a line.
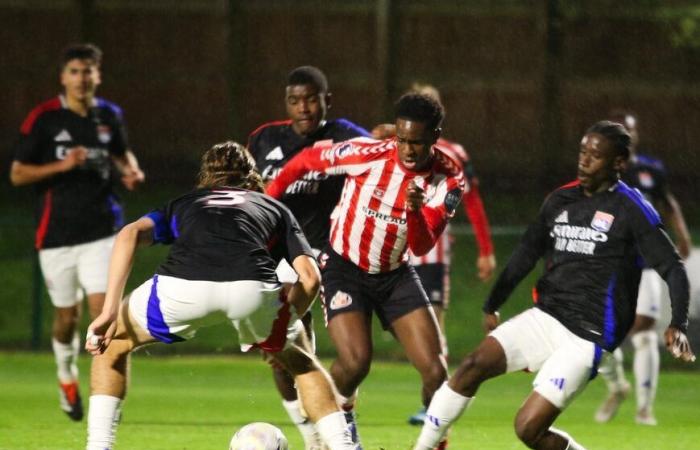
649	176
311	199
387	207
590	233
68	149
227	239
433	268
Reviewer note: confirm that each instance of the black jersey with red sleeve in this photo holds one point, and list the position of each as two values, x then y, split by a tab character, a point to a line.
77	206
227	234
592	249
312	198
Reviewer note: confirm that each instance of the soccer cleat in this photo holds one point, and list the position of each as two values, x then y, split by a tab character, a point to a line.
609	408
418	418
645	417
71	403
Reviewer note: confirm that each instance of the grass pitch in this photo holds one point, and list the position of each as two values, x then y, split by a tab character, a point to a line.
190	403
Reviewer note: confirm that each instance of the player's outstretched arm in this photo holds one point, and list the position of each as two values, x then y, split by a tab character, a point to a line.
306	288
101	330
677	343
680	229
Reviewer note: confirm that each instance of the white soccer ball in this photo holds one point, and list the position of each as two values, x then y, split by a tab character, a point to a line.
259	436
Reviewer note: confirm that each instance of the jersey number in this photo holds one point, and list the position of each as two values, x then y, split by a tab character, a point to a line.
225	198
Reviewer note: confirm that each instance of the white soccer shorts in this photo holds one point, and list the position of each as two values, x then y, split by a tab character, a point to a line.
173	309
652	291
536	341
69	269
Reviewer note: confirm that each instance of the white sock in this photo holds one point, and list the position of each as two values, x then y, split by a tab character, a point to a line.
306	428
75	344
103	418
445	407
612	370
335	432
347	403
573	445
63	353
646	367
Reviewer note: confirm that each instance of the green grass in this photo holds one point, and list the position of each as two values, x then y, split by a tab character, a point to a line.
198	402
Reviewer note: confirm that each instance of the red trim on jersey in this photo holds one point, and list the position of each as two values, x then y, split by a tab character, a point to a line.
278	336
535	295
49	105
270	124
44	221
568	185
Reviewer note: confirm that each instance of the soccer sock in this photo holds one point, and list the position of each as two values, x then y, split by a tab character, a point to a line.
63	353
646	367
446	407
103	418
305	427
612	370
347	403
335	432
572	445
75	346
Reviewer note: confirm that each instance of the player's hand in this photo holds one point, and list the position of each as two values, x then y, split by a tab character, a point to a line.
485	266
384	131
415	197
100	333
133	178
490	321
75	156
677	343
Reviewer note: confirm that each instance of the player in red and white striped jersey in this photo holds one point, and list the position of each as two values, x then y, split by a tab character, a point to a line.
389	204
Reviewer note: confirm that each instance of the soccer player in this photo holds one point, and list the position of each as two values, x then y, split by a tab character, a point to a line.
649	176
591	233
311	199
388	205
67	149
433	268
227	238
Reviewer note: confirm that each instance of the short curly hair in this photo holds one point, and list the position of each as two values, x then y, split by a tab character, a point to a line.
616	134
420	108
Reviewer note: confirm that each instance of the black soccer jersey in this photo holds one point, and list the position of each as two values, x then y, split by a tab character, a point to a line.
77	206
313	198
227	234
649	176
592	247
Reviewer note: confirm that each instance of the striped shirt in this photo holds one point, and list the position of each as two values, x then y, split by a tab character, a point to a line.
370	226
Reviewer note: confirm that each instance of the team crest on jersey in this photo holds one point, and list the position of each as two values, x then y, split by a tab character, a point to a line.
340	300
602	221
646	180
379	193
104	133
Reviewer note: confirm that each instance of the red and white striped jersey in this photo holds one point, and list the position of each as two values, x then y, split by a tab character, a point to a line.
371	226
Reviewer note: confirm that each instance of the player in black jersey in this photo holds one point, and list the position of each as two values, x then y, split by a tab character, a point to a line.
649	176
67	149
591	234
227	239
311	199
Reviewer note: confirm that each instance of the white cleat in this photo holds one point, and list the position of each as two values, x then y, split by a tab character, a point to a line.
609	408
645	417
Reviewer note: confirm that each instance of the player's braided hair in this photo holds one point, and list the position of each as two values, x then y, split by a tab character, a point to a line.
420	108
229	164
616	134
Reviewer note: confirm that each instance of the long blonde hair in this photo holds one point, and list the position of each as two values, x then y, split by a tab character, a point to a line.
229	164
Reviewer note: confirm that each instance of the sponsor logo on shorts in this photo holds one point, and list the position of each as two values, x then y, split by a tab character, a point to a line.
558	382
340	300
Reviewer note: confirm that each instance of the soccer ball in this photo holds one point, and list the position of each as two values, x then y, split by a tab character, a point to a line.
259	436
